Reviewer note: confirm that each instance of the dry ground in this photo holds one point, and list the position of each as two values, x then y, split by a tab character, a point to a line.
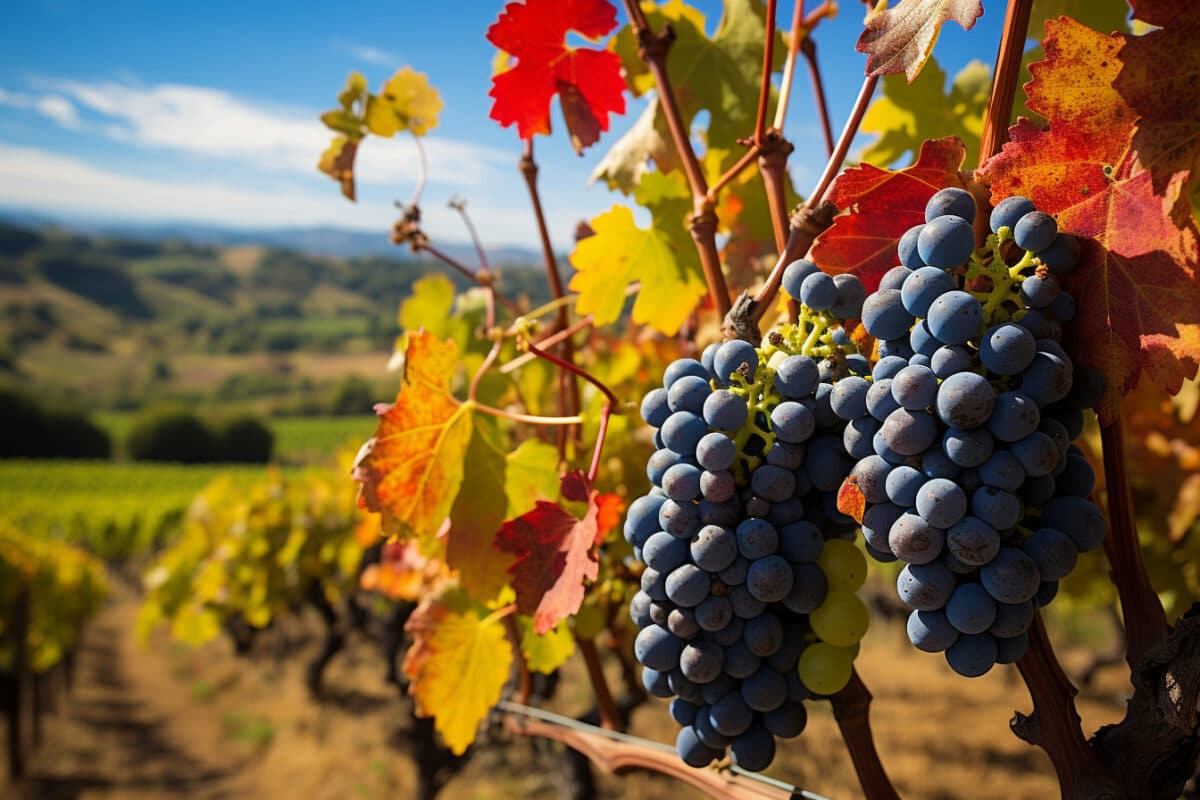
166	722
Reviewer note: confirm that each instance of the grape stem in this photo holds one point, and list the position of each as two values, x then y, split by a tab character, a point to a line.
610	715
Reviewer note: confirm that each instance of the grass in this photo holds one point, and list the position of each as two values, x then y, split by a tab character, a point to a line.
117	509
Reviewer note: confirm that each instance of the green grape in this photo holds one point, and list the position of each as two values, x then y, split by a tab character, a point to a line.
844	564
841	620
825	669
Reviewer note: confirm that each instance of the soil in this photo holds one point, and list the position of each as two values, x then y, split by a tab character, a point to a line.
161	721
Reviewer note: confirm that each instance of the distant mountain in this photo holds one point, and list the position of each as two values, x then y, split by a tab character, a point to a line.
322	241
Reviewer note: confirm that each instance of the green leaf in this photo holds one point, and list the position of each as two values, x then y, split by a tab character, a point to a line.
343	122
720	75
909	114
549	651
531	475
431	306
477	514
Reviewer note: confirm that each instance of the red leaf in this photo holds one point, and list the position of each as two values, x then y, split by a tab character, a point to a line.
555	554
882	204
588	82
1136	285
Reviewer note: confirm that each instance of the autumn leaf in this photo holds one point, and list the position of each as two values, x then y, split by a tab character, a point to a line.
880	205
556	554
546	652
850	499
901	39
588	82
457	664
910	113
416	460
338	163
1136	285
621	253
1161	82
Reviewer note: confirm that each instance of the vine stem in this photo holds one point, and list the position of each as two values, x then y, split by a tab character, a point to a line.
484	280
789	64
1054	724
610	715
851	709
1145	620
609	403
1007	73
549	341
806	226
653	50
764	91
460	205
423	175
809	50
849	131
531	419
524	684
568	389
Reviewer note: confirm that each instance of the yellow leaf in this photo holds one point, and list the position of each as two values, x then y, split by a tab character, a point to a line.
458	664
381	119
416	104
621	253
549	651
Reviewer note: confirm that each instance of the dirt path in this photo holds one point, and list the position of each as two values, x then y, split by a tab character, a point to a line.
122	730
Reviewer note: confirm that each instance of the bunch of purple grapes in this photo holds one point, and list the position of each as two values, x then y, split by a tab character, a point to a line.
735	535
963	433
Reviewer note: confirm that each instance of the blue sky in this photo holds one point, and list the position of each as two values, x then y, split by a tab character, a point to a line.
207	113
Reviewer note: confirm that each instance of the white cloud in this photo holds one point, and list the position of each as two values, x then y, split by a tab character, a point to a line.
65	186
213	123
368	53
54	106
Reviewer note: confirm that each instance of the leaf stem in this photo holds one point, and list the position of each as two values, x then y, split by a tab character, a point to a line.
843	144
423	175
484	279
531	419
1145	620
499	614
764	91
610	403
1004	84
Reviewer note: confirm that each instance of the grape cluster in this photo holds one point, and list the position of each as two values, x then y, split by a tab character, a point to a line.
747	604
963	434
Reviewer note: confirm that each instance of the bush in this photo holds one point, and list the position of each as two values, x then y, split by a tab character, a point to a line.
172	435
246	440
24	432
73	435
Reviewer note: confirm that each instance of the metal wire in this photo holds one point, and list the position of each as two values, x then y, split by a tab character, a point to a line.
616	736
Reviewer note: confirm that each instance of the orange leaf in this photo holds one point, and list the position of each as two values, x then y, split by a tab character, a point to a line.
415	466
1135	286
882	204
850	499
555	554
